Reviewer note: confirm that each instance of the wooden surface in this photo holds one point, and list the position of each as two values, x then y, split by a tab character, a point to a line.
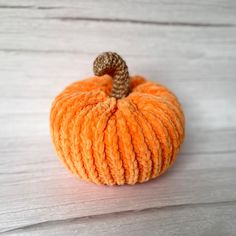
190	46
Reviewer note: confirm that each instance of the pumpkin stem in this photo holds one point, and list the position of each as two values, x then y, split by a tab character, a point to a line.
112	64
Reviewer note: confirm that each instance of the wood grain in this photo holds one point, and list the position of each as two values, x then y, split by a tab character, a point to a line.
46	45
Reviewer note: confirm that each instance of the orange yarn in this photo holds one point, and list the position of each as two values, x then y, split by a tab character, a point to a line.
110	141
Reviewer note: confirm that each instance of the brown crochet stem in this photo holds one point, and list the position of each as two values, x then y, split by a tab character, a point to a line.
112	64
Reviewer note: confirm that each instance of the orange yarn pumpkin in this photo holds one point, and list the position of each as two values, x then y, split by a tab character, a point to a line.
115	129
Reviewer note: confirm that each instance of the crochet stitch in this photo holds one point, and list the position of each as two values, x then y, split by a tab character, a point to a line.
114	129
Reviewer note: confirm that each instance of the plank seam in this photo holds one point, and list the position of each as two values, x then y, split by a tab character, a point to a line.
142	22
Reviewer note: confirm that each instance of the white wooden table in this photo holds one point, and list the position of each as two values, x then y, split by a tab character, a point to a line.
190	46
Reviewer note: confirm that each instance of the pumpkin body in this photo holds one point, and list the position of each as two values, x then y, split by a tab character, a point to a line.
112	141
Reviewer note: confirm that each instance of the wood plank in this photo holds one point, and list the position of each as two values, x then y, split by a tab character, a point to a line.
163	42
194	13
205	219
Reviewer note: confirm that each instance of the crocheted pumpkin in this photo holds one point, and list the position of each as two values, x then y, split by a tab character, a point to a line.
116	129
